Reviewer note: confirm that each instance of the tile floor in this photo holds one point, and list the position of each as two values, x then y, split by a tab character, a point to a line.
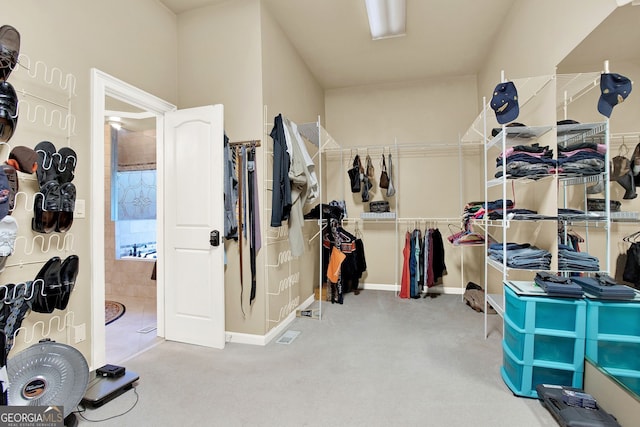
123	338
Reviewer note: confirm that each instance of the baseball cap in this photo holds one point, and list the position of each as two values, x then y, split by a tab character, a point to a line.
614	89
505	102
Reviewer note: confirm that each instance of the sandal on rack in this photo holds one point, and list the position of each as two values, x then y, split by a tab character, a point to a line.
47	169
67	160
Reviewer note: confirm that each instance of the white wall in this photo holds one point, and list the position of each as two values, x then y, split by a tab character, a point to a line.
138	46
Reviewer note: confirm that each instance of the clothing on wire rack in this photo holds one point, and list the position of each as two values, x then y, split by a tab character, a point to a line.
281	191
631	273
570	259
295	183
423	262
524	160
521	255
343	260
230	192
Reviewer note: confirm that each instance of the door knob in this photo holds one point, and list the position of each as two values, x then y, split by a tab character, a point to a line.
214	238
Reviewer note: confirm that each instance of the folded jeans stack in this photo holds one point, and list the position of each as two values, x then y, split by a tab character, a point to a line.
605	286
521	255
555	285
570	260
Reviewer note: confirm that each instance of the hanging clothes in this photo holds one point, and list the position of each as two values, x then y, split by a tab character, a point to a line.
303	185
351	270
438	266
281	191
414	263
405	282
631	272
230	192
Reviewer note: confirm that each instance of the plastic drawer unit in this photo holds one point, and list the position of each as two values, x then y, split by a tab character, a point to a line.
544	342
546	315
613	339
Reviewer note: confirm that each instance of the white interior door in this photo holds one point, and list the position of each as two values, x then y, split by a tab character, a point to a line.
193	201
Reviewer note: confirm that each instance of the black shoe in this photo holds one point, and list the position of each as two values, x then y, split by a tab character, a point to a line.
9	50
67	206
47	287
8	111
68	274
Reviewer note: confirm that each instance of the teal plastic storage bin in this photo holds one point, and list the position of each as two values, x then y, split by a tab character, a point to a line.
612	318
615	354
630	379
532	348
522	378
549	316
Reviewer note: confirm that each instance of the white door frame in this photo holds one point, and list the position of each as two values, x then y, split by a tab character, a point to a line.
103	85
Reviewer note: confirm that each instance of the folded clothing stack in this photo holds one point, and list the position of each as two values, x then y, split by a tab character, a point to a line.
605	287
520	255
571	260
558	286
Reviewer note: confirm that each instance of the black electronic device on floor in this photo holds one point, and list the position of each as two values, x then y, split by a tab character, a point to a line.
572	407
110	382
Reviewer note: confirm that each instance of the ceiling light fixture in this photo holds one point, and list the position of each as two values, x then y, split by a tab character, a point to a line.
387	18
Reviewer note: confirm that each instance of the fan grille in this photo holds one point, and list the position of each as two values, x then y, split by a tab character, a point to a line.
48	374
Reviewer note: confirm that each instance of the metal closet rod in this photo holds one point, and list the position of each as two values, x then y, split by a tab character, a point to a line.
253	142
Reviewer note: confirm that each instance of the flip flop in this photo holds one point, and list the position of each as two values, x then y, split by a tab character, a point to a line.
68	275
8	111
67	159
67	206
47	169
9	50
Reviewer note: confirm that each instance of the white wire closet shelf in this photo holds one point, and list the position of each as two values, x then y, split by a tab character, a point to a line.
527	88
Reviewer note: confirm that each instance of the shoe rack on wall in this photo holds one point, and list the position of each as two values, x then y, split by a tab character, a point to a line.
45	113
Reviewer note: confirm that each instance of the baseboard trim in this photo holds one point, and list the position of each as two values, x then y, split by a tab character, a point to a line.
395	288
253	339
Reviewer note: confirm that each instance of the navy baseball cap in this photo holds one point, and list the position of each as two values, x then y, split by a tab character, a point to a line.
505	102
614	89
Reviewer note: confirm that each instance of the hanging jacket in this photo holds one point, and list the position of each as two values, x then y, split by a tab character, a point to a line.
281	191
230	193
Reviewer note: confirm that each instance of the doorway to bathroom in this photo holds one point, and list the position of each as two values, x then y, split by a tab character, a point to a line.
130	230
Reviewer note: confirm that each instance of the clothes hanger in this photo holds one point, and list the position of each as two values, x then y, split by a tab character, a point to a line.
631	238
623	150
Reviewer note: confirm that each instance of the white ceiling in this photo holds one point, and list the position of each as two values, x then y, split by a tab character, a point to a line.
444	38
332	37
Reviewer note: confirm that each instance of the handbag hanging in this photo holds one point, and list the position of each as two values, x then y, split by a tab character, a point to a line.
384	177
390	189
370	170
354	174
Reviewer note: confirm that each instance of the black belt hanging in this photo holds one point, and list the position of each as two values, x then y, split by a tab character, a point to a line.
240	183
252	247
